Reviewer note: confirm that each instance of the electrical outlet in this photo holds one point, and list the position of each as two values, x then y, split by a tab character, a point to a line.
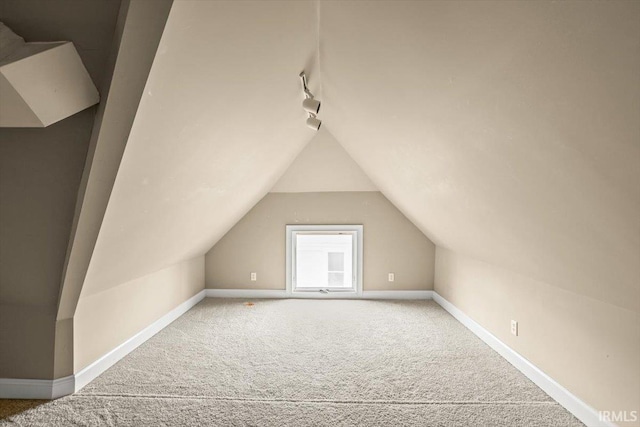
392	277
254	277
514	327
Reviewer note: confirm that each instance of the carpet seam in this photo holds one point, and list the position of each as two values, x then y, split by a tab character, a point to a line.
360	402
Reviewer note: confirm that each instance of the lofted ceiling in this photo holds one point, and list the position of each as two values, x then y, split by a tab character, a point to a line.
506	131
219	122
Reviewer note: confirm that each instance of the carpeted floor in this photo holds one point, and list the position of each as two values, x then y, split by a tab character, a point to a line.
10	407
308	363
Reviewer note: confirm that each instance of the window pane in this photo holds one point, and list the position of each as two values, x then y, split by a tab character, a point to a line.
324	260
336	279
336	261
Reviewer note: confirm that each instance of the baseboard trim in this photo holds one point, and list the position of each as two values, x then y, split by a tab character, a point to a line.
88	374
17	388
246	293
63	386
277	293
564	397
11	388
404	295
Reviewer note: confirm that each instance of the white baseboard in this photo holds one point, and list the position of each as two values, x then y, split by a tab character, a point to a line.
564	397
275	293
16	388
397	294
51	389
246	293
92	371
63	386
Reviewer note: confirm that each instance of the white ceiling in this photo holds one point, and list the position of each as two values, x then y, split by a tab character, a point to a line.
506	131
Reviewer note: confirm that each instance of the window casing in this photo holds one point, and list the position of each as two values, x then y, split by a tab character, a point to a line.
324	260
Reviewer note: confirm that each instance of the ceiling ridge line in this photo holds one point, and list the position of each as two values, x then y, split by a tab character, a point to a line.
321	91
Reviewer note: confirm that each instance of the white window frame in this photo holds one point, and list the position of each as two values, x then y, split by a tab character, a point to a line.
357	259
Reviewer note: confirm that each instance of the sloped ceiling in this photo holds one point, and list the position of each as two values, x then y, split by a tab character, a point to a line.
323	165
220	121
506	131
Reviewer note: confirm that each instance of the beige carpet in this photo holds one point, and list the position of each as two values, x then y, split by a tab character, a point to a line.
308	363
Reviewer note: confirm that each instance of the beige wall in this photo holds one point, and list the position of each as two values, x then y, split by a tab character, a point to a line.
105	320
323	165
40	172
257	242
139	29
26	341
590	347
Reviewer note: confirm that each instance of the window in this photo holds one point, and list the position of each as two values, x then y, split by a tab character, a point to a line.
324	260
335	268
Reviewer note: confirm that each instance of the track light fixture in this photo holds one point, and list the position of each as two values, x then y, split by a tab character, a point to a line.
310	104
313	122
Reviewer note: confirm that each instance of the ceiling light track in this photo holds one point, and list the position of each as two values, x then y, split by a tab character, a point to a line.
310	104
